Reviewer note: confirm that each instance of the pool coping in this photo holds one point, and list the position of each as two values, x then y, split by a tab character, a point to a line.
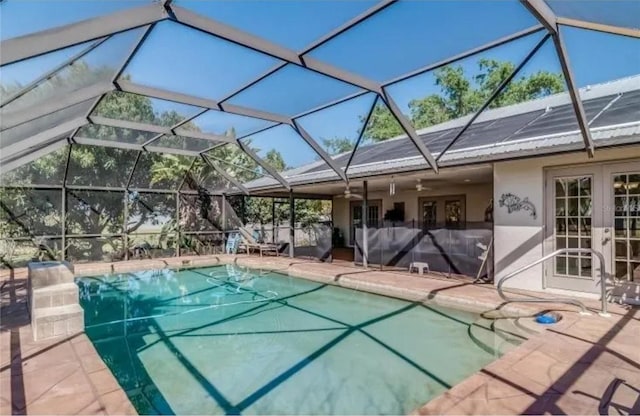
299	268
477	388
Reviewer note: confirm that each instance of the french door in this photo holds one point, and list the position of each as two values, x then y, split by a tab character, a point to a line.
449	210
623	213
355	218
596	207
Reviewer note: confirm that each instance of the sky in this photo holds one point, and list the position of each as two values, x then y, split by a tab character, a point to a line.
402	38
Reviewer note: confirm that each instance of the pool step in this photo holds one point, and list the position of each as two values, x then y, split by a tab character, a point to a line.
497	336
56	321
53	300
56	295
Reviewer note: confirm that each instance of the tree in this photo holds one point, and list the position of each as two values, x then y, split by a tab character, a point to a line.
70	78
32	213
461	94
382	126
275	160
338	145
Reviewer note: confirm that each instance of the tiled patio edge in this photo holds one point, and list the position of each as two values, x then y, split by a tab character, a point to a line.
336	275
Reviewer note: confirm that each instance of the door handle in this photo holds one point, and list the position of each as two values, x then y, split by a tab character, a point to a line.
606	240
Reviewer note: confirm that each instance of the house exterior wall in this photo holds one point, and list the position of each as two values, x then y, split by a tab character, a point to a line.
519	238
477	198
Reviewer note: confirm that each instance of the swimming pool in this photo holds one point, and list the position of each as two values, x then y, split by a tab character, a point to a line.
227	340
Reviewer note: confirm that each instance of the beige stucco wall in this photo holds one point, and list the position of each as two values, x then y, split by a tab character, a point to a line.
518	236
477	199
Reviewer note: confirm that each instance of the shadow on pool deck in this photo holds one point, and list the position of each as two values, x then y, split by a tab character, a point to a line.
549	398
14	315
596	372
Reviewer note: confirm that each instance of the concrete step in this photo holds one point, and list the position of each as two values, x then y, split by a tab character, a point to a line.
57	295
48	273
56	321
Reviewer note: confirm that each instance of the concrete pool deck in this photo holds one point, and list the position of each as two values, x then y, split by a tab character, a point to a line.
582	365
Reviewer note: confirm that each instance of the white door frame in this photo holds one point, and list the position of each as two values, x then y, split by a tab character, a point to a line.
590	283
602	214
609	172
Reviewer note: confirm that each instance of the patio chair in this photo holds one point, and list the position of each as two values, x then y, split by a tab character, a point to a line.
249	243
233	241
141	250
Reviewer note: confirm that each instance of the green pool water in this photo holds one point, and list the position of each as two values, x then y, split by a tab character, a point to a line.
225	340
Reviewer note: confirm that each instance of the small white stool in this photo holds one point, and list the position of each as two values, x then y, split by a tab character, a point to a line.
420	267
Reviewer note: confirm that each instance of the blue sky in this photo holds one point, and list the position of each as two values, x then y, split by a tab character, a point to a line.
404	37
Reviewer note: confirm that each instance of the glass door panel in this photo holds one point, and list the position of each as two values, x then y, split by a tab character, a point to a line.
355	217
373	216
626	220
573	223
612	227
429	214
453	213
447	210
573	219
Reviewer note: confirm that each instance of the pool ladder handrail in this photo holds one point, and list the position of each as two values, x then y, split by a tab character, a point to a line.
570	301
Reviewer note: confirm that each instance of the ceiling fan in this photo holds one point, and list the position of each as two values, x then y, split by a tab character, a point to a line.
349	195
420	187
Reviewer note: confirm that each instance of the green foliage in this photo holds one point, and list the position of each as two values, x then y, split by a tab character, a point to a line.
382	126
169	168
236	162
71	78
312	211
337	145
47	170
258	210
135	107
275	160
103	213
461	94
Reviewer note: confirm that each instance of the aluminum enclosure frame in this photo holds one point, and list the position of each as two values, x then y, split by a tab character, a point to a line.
101	28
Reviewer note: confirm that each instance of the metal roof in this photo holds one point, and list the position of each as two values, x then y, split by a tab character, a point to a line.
527	129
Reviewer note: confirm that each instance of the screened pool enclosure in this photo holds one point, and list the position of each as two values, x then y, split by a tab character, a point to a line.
157	126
